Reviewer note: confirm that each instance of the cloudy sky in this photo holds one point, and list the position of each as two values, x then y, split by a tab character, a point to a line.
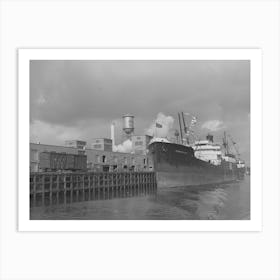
80	99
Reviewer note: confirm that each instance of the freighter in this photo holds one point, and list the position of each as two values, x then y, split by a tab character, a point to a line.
199	163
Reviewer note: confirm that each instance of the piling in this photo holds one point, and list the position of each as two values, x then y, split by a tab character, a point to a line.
48	188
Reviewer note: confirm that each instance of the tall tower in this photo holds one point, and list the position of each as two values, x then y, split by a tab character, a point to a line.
128	125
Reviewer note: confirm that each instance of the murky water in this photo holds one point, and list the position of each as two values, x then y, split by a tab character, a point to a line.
226	202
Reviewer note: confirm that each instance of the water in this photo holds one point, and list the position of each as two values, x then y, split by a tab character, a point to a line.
223	202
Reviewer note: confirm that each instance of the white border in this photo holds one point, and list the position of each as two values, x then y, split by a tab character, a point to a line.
254	55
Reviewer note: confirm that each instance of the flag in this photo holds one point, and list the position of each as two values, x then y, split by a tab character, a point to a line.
158	125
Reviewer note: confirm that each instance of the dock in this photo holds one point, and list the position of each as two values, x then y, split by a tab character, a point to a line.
48	188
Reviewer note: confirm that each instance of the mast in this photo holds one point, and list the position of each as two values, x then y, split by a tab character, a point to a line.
181	134
225	143
185	127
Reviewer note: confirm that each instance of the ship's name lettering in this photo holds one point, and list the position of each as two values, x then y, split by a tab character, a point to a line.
181	152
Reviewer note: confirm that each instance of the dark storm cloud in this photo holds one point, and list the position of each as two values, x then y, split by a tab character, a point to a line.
81	94
71	91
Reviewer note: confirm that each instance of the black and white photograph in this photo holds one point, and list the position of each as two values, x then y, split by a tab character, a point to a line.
140	139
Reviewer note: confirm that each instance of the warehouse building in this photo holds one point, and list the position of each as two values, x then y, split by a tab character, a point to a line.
102	144
101	159
76	144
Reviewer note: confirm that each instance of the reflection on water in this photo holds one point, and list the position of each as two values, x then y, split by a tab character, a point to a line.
227	202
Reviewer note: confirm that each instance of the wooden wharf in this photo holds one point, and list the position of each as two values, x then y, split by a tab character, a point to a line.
47	188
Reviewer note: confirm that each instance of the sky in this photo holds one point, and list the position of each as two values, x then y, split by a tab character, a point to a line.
80	99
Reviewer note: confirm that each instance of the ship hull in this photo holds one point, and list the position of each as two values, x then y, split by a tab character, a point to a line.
175	165
179	179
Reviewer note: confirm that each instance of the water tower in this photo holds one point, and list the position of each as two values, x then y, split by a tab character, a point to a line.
128	125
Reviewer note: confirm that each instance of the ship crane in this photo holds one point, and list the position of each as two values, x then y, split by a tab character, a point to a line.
234	145
187	128
226	145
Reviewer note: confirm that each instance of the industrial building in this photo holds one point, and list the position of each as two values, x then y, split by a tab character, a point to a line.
100	153
97	160
140	144
76	144
102	144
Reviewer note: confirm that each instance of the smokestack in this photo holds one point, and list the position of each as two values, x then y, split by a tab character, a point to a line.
113	134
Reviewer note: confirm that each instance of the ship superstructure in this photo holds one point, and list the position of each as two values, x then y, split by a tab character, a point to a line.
208	151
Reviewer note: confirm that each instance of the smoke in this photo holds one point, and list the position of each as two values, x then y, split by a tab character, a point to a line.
125	147
213	125
161	126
